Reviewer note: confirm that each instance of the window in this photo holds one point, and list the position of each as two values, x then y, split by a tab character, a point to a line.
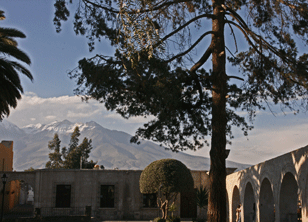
150	200
63	196
107	196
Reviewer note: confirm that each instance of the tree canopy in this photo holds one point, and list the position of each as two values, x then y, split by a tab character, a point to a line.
167	177
10	69
160	68
72	157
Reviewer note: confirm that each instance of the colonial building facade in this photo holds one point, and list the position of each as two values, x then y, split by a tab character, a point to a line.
275	190
112	194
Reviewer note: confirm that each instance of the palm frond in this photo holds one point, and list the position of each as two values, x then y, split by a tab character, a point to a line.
10	32
8	41
2	17
9	92
10	84
14	52
9	74
22	69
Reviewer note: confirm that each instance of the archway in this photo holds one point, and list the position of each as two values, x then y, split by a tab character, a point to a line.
288	199
267	211
235	202
249	204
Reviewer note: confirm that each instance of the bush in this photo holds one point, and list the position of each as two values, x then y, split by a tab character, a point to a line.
159	219
171	173
198	220
167	178
173	219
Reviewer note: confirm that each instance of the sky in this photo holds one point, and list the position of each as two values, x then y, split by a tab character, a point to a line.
50	96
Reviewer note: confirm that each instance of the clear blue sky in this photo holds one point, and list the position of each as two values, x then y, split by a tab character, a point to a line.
52	54
50	97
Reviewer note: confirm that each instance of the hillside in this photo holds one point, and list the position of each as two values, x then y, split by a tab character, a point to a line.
110	148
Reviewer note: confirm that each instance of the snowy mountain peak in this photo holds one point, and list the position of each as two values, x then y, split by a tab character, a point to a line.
32	128
64	126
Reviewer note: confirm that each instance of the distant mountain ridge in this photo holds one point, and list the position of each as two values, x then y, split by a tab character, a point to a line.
111	148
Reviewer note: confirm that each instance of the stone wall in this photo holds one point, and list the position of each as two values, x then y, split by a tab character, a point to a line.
85	190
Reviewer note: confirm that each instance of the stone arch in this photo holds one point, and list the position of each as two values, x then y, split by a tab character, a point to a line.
266	201
288	198
249	205
235	202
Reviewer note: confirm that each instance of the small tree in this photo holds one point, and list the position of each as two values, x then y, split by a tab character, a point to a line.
167	177
202	197
30	169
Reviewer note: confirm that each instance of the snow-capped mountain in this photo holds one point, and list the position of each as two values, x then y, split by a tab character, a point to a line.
110	148
58	127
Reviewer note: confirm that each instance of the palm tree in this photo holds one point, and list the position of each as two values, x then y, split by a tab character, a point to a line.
10	85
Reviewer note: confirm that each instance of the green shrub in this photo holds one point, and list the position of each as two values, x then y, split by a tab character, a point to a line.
173	219
202	197
167	178
198	220
159	219
171	173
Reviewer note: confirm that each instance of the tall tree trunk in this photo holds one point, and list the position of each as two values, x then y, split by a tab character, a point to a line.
217	194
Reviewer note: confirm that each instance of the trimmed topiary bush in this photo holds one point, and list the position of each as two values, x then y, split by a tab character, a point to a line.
167	177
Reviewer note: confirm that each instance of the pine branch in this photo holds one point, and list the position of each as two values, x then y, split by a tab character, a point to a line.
182	27
203	59
191	48
112	10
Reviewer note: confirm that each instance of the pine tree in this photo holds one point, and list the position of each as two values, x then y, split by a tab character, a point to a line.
55	158
163	50
72	157
77	154
84	150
